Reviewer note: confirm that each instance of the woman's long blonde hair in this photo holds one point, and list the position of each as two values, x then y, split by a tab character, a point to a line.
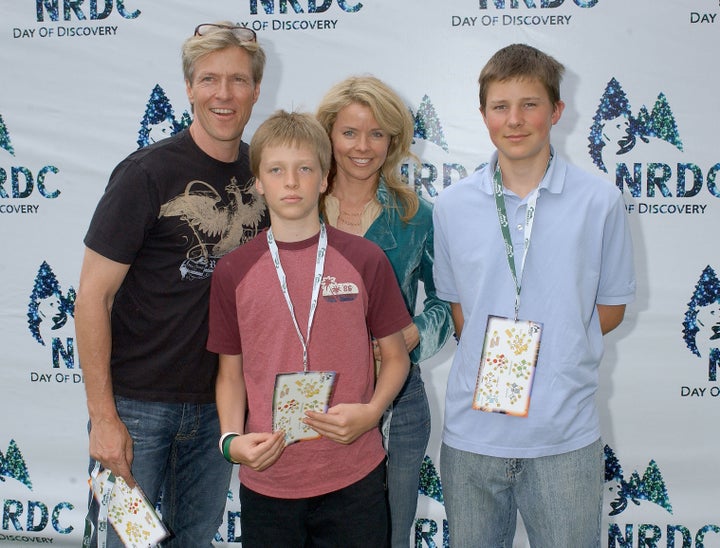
394	118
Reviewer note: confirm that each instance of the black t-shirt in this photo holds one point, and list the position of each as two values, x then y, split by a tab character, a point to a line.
170	211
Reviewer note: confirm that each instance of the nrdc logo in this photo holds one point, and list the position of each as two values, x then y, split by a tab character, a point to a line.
18	181
650	487
67	10
428	533
433	172
51	314
159	120
5	143
20	514
308	6
701	327
634	140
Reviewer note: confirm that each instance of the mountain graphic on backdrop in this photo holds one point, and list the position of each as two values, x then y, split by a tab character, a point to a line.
159	120
650	487
614	110
5	137
12	465
61	307
430	484
427	124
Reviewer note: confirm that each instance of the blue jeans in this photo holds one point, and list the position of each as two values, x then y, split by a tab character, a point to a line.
352	517
408	437
175	449
559	498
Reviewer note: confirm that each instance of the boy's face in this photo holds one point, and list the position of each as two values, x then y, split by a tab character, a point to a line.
291	179
519	116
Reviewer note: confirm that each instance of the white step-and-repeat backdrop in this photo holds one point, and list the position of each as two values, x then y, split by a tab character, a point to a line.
85	82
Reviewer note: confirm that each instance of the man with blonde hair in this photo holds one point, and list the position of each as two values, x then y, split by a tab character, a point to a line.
169	212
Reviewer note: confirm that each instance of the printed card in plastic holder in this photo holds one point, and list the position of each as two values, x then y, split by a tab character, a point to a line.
296	393
507	366
129	512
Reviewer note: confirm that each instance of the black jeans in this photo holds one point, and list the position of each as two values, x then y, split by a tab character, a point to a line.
355	516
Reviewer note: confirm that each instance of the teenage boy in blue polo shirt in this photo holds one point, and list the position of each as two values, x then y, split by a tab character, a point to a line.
529	248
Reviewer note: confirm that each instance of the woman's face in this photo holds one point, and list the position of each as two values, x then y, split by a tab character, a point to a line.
360	145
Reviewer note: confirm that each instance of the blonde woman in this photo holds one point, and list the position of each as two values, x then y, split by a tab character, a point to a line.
371	132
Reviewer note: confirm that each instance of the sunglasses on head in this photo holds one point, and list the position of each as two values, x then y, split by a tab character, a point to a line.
244	34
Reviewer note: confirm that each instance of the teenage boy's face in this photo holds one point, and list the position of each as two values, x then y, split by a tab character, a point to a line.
291	180
519	116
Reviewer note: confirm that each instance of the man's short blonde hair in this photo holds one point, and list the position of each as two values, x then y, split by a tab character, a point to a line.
218	39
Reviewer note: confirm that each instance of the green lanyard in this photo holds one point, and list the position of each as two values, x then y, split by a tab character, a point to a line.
505	229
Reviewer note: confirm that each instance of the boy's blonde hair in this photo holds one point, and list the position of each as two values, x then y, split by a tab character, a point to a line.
292	129
523	62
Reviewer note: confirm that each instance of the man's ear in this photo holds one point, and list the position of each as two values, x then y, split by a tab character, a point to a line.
189	92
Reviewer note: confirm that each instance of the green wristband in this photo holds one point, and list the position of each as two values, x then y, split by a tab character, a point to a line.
225	441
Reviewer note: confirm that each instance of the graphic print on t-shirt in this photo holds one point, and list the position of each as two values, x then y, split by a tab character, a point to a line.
334	291
208	217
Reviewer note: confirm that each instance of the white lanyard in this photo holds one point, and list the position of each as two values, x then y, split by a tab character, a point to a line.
103	503
319	266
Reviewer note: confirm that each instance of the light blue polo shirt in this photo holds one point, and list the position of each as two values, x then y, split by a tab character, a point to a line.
580	255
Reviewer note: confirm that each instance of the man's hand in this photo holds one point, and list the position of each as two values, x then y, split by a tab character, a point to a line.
112	446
